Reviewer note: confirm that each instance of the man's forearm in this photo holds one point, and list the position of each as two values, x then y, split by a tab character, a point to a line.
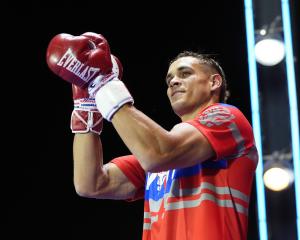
88	162
146	139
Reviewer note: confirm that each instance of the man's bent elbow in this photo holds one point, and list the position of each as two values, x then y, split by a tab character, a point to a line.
84	191
91	190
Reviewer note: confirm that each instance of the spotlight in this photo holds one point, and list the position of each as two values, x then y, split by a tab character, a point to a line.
269	51
278	174
278	178
269	48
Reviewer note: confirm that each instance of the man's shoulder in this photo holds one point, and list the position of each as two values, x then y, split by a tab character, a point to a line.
219	115
219	106
221	109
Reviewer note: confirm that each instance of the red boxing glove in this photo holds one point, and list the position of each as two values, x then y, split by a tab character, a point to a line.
85	116
80	59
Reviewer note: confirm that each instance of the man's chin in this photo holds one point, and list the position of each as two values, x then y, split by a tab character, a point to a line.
178	107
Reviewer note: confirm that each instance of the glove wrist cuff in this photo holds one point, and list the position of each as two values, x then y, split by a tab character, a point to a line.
111	97
85	104
83	121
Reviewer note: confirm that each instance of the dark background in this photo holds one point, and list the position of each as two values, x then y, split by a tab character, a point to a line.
38	187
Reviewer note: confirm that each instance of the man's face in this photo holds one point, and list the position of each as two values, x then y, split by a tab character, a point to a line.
189	85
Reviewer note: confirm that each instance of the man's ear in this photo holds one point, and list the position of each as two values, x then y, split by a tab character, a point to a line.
216	81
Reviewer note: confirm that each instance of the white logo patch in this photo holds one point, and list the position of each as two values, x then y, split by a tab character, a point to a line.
215	116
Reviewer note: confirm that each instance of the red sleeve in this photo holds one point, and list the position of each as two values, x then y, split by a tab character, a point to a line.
132	169
226	128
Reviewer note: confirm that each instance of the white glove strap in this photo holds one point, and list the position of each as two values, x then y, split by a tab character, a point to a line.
111	97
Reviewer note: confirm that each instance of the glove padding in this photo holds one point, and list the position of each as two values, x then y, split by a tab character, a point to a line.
86	62
80	59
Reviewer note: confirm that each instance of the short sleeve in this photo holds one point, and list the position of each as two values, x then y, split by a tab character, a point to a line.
226	128
132	169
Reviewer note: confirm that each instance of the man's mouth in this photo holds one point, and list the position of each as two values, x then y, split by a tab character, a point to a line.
177	92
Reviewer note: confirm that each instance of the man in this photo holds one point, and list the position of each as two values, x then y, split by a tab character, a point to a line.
196	179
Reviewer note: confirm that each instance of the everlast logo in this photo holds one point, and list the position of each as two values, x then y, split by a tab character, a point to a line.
71	63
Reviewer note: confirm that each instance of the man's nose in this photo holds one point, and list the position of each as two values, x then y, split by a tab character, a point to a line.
175	82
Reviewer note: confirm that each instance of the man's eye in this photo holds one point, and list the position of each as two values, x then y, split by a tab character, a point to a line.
185	74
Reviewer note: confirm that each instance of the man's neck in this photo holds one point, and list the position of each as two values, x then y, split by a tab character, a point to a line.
192	115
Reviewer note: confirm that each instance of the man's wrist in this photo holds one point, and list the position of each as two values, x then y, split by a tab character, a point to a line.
111	97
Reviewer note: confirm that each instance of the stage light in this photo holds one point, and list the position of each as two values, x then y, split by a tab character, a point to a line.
278	173
269	48
278	178
269	51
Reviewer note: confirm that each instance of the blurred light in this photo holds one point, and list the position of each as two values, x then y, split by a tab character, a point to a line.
269	51
263	32
278	173
255	108
278	178
294	119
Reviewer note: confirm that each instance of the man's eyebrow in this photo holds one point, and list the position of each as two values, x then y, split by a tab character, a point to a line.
183	68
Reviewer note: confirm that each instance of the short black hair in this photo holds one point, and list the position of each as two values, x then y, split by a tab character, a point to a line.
208	60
